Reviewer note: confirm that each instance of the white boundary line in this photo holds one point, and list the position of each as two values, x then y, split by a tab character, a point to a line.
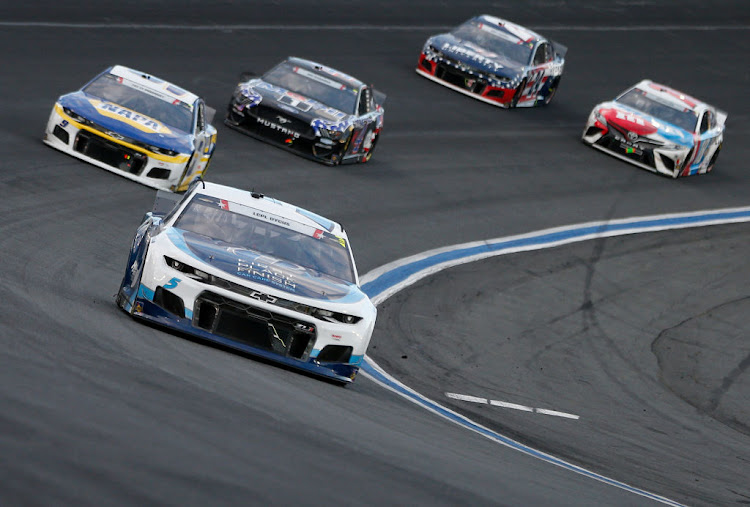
387	280
354	27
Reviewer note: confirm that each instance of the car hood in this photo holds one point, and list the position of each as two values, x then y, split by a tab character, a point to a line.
264	269
643	124
475	56
295	104
126	122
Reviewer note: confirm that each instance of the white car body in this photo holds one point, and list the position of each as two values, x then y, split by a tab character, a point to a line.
260	300
658	128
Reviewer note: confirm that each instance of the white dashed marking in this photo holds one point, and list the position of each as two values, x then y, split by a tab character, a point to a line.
514	406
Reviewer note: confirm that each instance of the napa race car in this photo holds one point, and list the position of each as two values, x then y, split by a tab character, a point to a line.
251	273
658	128
495	61
315	111
135	125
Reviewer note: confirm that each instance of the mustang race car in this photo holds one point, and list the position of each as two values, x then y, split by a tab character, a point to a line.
495	61
137	126
254	274
313	110
658	128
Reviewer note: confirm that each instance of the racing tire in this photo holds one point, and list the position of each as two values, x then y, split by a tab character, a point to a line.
552	91
367	156
713	159
517	94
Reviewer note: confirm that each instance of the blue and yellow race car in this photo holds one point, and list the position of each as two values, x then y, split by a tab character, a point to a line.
135	125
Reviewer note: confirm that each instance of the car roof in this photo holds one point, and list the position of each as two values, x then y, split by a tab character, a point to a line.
676	98
153	84
328	72
519	33
270	205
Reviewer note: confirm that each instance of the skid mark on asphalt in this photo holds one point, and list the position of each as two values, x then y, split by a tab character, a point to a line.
385	281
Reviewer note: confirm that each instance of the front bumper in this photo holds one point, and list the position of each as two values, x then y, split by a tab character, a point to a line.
444	72
105	151
261	123
649	156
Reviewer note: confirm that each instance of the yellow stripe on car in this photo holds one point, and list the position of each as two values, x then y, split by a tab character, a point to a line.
178	159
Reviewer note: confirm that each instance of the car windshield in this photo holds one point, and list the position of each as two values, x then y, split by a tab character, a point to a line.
316	86
497	41
298	243
107	87
638	99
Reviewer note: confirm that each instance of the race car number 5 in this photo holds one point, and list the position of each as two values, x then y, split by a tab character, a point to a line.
172	283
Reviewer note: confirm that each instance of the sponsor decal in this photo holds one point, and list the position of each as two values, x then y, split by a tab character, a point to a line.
133	118
471	55
263	272
632	136
283	120
277	127
320	79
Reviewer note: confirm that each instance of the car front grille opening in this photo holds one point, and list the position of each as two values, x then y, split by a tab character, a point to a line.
109	153
426	65
335	354
592	130
61	134
169	301
159	173
254	326
498	94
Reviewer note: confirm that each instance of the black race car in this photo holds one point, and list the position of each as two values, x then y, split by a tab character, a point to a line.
313	110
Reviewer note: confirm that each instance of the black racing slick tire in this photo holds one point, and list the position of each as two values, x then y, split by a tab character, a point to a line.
713	159
367	156
517	94
552	90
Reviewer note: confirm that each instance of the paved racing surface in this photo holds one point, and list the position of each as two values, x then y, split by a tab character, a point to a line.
642	337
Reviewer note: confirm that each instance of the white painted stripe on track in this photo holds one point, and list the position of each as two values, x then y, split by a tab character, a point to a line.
514	406
466	397
555	413
398	277
353	27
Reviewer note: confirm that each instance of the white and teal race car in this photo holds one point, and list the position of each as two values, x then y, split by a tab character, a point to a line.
252	273
135	125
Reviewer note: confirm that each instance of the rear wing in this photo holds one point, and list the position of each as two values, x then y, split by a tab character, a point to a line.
379	97
164	202
559	49
721	117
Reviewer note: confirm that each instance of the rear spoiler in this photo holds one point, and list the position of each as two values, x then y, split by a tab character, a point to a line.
721	117
559	49
379	97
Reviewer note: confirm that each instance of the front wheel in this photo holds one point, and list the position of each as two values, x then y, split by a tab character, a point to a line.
713	159
552	90
517	95
371	139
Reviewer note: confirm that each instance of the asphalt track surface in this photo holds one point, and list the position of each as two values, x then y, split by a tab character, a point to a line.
643	337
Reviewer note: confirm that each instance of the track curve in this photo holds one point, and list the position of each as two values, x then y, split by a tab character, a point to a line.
98	407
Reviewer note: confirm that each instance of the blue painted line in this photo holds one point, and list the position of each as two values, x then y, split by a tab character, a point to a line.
400	273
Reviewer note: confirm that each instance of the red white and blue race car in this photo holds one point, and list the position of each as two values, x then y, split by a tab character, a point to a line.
658	128
310	109
135	125
495	61
252	273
